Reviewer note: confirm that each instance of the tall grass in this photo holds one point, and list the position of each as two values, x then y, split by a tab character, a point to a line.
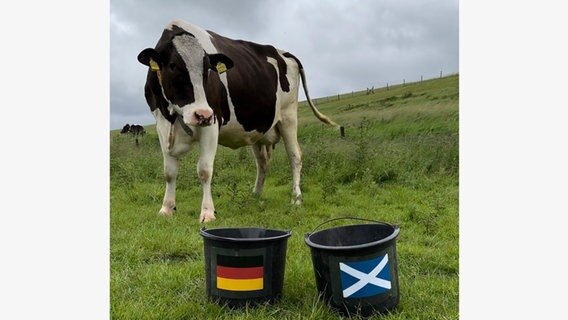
398	163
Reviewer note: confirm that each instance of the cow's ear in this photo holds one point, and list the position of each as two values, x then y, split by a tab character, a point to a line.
147	55
220	62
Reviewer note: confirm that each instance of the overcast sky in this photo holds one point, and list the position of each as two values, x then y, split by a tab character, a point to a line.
343	45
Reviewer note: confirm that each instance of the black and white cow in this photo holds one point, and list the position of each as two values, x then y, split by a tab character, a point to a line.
135	129
206	88
125	129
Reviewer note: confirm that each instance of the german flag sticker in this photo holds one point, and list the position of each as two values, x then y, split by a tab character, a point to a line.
240	273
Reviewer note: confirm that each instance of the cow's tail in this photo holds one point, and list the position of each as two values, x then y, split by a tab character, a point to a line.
323	118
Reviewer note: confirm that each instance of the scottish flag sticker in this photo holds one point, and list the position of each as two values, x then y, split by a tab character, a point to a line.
360	279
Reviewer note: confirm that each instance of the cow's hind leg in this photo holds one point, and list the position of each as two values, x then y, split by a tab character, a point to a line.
262	156
288	127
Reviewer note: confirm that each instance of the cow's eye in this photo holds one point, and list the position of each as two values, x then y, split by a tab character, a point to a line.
172	66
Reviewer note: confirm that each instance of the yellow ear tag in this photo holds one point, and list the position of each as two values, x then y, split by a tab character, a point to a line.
221	67
154	65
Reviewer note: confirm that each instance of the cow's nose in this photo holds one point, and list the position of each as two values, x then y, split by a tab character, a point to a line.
203	118
205	121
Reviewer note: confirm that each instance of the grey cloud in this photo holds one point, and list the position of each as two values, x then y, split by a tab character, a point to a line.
344	45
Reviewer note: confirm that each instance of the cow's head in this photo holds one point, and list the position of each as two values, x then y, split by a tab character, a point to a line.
125	129
182	67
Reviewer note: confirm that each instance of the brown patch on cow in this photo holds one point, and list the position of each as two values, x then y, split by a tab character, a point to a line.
203	175
252	81
216	95
154	97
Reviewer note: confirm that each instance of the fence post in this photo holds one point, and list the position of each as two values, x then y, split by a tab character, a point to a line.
342	131
440	73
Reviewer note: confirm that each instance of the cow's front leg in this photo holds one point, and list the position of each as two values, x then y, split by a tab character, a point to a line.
207	150
171	165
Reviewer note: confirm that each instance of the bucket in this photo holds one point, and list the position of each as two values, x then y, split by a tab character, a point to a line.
355	266
244	266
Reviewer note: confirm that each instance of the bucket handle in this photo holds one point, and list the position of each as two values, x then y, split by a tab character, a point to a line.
343	218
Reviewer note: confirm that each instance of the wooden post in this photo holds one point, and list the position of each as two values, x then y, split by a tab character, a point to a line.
342	131
440	73
421	78
403	82
387	86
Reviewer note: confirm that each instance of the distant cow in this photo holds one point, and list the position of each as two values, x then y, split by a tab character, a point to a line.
206	88
135	129
125	129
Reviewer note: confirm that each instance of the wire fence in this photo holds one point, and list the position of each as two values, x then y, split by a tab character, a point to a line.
371	90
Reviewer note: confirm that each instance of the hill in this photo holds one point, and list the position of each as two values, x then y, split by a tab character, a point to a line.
398	163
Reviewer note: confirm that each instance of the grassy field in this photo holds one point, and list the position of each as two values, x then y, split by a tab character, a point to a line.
398	163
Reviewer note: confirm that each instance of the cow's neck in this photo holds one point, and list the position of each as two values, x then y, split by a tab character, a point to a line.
185	127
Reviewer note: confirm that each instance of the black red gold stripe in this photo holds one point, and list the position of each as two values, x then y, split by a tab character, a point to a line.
240	273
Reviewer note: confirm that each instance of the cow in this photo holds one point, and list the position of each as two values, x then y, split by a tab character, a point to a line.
135	129
125	129
208	89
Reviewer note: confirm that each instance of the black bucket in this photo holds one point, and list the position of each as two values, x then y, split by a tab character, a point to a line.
244	266
356	267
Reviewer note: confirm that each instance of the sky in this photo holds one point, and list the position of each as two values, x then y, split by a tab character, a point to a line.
344	46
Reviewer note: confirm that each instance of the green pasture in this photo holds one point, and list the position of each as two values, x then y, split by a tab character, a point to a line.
397	163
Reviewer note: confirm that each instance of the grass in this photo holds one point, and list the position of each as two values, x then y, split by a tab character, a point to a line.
398	163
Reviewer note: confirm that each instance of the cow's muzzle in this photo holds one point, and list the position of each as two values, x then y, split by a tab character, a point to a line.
203	120
198	116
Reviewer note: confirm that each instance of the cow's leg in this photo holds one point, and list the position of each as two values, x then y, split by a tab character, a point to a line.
207	150
261	154
288	127
171	166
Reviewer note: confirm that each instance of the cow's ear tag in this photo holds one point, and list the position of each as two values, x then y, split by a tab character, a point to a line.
154	65
221	67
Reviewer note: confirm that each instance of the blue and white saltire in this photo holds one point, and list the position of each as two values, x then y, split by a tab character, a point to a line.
365	278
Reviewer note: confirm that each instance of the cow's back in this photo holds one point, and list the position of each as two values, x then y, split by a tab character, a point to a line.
254	81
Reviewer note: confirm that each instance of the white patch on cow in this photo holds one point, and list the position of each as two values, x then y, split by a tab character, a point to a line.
287	106
234	136
200	34
207	151
192	54
173	139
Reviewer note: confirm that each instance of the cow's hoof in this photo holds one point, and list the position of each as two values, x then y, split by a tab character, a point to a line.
207	216
297	200
166	212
